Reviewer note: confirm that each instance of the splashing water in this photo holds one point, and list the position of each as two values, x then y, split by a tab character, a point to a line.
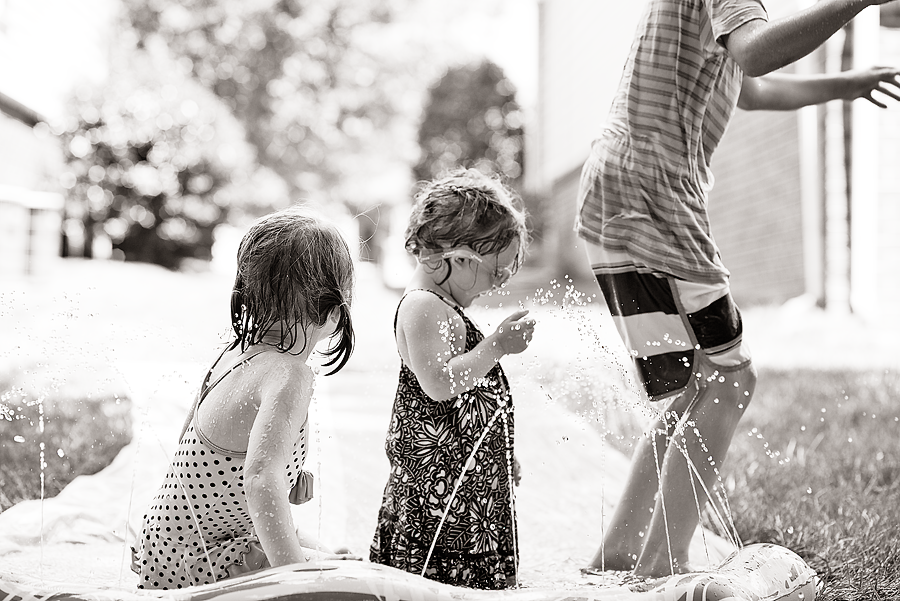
597	383
501	411
599	395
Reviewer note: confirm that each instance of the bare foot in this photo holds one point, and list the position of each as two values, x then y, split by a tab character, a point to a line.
662	569
611	562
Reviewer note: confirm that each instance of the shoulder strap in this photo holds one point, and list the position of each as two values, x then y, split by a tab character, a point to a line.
205	387
448	302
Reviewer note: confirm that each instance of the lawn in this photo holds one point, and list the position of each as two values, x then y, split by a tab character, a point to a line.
46	442
814	465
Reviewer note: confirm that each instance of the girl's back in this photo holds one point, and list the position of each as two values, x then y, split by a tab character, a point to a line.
198	529
246	379
224	507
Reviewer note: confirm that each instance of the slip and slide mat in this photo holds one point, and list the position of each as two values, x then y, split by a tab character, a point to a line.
759	572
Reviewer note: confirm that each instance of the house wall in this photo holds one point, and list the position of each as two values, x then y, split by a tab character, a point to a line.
757	203
30	203
582	48
755	207
30	225
888	249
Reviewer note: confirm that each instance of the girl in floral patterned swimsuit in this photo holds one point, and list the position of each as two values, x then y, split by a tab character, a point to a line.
447	511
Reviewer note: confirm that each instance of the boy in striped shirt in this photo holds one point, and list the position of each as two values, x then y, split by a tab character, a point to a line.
643	213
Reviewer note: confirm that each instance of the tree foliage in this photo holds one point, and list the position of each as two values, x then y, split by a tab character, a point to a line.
472	119
306	78
153	162
314	87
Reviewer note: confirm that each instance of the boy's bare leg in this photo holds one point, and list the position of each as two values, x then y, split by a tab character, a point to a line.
677	511
623	540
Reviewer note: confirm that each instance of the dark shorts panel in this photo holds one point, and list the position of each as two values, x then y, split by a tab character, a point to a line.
663	340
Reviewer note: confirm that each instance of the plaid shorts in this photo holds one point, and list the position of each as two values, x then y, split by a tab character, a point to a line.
669	325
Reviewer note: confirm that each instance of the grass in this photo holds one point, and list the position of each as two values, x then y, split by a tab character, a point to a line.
825	484
79	436
814	467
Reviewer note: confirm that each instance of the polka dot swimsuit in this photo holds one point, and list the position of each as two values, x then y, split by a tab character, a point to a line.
199	524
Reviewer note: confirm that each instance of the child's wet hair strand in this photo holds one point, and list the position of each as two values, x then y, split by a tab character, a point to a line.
293	270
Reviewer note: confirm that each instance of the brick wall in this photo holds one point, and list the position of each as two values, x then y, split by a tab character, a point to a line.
888	271
755	207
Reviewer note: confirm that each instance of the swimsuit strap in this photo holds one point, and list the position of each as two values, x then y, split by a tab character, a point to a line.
447	301
206	386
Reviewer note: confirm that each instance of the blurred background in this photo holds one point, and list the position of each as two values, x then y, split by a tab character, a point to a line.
155	130
139	138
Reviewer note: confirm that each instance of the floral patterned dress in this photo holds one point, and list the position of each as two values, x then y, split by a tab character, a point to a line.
428	444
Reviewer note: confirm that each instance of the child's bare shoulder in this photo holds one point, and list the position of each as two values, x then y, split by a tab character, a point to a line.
420	303
285	373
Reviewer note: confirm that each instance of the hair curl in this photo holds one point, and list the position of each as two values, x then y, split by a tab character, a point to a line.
466	208
293	269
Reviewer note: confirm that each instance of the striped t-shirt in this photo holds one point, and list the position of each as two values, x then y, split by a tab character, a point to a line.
644	187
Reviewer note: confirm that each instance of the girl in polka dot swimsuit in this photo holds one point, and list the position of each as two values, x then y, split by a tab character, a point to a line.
224	506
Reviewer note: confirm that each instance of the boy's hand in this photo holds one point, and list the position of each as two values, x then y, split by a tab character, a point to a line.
515	332
863	82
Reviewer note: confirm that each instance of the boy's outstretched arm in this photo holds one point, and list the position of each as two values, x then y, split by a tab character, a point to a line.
761	47
784	92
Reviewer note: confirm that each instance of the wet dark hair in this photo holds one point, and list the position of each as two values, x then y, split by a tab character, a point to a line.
293	268
466	208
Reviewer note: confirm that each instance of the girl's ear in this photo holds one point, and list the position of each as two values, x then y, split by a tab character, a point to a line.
334	316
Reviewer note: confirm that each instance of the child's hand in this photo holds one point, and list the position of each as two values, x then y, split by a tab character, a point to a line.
514	333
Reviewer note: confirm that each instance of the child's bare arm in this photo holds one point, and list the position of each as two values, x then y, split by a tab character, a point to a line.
283	407
784	91
761	47
434	339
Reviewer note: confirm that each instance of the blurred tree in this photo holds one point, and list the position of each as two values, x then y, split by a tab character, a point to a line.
472	119
153	164
307	78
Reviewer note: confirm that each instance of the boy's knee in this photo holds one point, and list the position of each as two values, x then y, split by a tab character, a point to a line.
744	382
733	385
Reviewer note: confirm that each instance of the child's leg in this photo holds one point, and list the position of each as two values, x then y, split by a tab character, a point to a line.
726	379
623	540
703	436
646	314
686	342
